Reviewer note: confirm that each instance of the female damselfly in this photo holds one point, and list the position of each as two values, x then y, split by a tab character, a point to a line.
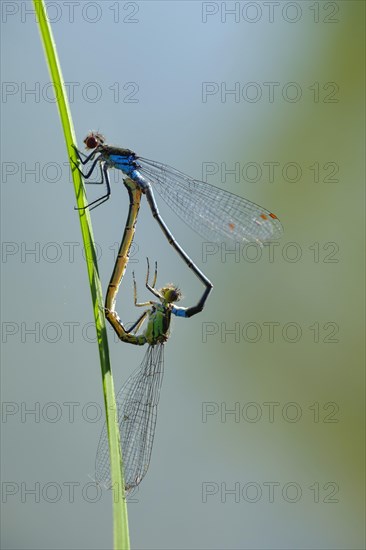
138	399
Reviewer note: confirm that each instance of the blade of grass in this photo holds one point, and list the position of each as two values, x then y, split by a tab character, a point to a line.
120	520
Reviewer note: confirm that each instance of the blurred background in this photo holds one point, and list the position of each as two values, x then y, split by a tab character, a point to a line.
260	436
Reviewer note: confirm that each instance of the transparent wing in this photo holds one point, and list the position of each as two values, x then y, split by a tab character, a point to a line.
137	403
213	213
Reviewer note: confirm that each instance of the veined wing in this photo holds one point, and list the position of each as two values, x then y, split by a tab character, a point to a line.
137	403
213	213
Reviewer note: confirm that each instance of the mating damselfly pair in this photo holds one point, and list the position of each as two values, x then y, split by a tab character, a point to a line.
217	216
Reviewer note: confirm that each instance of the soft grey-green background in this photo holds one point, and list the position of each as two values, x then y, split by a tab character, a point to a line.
310	450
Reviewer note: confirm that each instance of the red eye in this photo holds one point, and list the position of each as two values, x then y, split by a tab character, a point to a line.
91	141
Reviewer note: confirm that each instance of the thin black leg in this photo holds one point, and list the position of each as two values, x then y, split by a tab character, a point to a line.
105	178
139	320
86	159
92	168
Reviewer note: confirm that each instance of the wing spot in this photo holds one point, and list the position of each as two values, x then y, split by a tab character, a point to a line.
231	226
273	216
264	217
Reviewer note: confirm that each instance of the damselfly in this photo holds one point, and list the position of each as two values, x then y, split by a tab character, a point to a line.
215	214
138	399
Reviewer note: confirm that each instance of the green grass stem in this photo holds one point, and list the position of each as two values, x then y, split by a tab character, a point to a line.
120	519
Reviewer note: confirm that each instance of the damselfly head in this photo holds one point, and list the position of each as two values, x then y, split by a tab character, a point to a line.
171	293
94	139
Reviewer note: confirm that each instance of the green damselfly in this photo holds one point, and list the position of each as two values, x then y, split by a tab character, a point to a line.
138	399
